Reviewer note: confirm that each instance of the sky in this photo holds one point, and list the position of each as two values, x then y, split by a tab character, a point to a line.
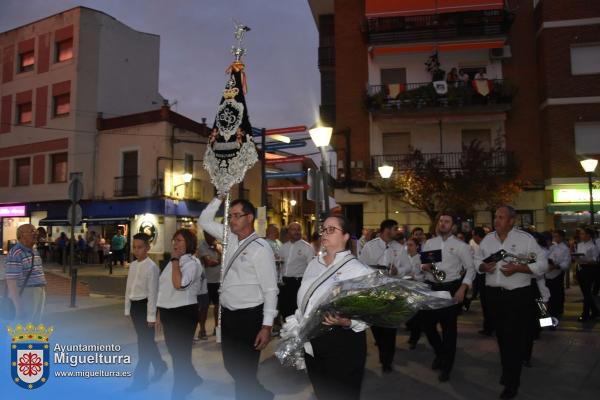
195	43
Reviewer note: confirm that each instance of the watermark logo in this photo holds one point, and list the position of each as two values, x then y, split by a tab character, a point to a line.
30	355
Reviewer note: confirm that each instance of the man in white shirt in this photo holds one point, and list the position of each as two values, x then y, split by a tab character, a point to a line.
509	292
456	255
295	255
587	270
248	295
141	293
559	262
384	253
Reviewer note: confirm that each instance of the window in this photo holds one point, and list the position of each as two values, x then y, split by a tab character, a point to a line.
26	61
22	171
62	104
483	136
58	167
585	59
64	50
587	138
24	113
396	143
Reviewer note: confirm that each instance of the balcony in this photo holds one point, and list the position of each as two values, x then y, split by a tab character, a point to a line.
326	56
126	186
439	27
500	161
412	97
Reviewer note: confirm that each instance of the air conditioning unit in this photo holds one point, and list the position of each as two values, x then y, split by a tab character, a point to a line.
500	53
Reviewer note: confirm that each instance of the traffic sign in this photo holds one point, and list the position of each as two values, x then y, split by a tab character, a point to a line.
75	189
75	219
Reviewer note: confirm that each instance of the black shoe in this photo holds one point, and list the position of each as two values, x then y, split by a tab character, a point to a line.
386	369
508	393
444	376
485	333
436	364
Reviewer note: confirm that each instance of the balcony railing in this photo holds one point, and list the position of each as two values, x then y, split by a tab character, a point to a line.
126	186
499	161
477	24
326	56
421	95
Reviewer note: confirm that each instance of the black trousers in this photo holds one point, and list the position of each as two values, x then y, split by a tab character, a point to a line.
444	346
587	275
478	285
336	370
386	344
179	325
488	321
147	350
287	296
414	325
512	313
118	255
556	286
238	333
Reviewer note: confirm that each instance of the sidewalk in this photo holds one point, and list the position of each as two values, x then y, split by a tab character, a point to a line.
566	364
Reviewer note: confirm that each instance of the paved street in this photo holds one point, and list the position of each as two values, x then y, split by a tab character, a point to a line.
566	363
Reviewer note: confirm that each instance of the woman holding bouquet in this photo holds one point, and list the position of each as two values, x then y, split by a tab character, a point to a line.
335	360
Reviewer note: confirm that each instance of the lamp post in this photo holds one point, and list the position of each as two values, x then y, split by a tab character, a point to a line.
321	135
386	172
589	166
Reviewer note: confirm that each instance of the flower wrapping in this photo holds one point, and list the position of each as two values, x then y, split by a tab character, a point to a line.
375	299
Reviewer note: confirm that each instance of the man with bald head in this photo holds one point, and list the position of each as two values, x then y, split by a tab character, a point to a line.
295	254
25	278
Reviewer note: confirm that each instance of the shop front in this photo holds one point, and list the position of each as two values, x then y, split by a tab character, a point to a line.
11	217
570	207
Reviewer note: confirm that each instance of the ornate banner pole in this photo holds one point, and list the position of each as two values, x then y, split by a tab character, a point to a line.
230	151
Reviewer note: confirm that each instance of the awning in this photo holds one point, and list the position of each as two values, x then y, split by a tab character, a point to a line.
567	207
106	221
442	47
53	222
394	8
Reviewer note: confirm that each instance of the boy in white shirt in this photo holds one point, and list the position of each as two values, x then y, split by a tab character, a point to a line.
140	303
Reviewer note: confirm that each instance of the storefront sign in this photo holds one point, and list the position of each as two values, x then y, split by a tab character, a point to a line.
12	211
575	195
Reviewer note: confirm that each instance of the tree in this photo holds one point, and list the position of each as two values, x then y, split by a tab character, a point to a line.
475	179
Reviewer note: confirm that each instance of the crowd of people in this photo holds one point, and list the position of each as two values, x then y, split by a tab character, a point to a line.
262	283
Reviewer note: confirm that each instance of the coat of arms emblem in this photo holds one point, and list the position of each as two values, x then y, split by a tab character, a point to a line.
30	355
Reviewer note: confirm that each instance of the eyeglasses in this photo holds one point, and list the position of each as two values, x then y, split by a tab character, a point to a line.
329	230
237	216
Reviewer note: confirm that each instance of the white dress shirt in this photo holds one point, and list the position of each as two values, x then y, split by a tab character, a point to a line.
378	252
352	269
251	279
456	255
517	242
561	256
295	257
416	271
191	273
589	251
142	283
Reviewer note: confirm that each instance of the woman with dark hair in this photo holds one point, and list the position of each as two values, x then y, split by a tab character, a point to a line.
336	360
178	285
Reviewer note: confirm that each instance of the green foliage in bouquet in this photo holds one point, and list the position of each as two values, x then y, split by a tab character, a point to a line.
376	306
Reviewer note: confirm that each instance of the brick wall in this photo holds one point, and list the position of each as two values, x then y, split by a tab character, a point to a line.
558	125
351	76
554	50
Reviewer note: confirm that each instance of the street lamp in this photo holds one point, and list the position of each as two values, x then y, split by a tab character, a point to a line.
321	135
589	166
386	172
